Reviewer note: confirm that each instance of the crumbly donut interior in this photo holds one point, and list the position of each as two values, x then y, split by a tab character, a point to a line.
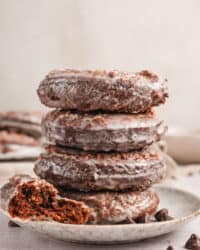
40	202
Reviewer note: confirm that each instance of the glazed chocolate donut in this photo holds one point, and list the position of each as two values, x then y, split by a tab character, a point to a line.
79	170
102	132
25	122
102	90
116	207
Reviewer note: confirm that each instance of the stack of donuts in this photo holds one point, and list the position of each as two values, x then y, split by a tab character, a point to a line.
99	137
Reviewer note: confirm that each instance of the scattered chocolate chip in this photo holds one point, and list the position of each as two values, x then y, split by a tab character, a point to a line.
111	74
170	248
193	242
12	224
162	215
143	219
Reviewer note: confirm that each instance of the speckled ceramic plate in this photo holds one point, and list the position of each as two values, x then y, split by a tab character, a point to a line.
183	206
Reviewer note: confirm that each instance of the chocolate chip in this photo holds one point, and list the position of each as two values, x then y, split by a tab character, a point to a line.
170	248
111	74
162	215
193	242
143	219
12	224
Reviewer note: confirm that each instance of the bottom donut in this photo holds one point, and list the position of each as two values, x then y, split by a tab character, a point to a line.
34	199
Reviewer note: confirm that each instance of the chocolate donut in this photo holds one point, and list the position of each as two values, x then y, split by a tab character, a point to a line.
20	135
25	122
102	132
116	207
79	170
102	90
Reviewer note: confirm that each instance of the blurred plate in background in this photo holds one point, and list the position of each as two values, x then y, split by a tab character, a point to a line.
183	145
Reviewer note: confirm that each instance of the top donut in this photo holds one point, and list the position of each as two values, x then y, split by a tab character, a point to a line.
115	91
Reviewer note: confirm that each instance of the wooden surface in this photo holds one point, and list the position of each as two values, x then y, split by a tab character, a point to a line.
22	239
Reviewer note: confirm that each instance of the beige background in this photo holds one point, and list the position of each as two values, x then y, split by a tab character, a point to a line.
164	36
